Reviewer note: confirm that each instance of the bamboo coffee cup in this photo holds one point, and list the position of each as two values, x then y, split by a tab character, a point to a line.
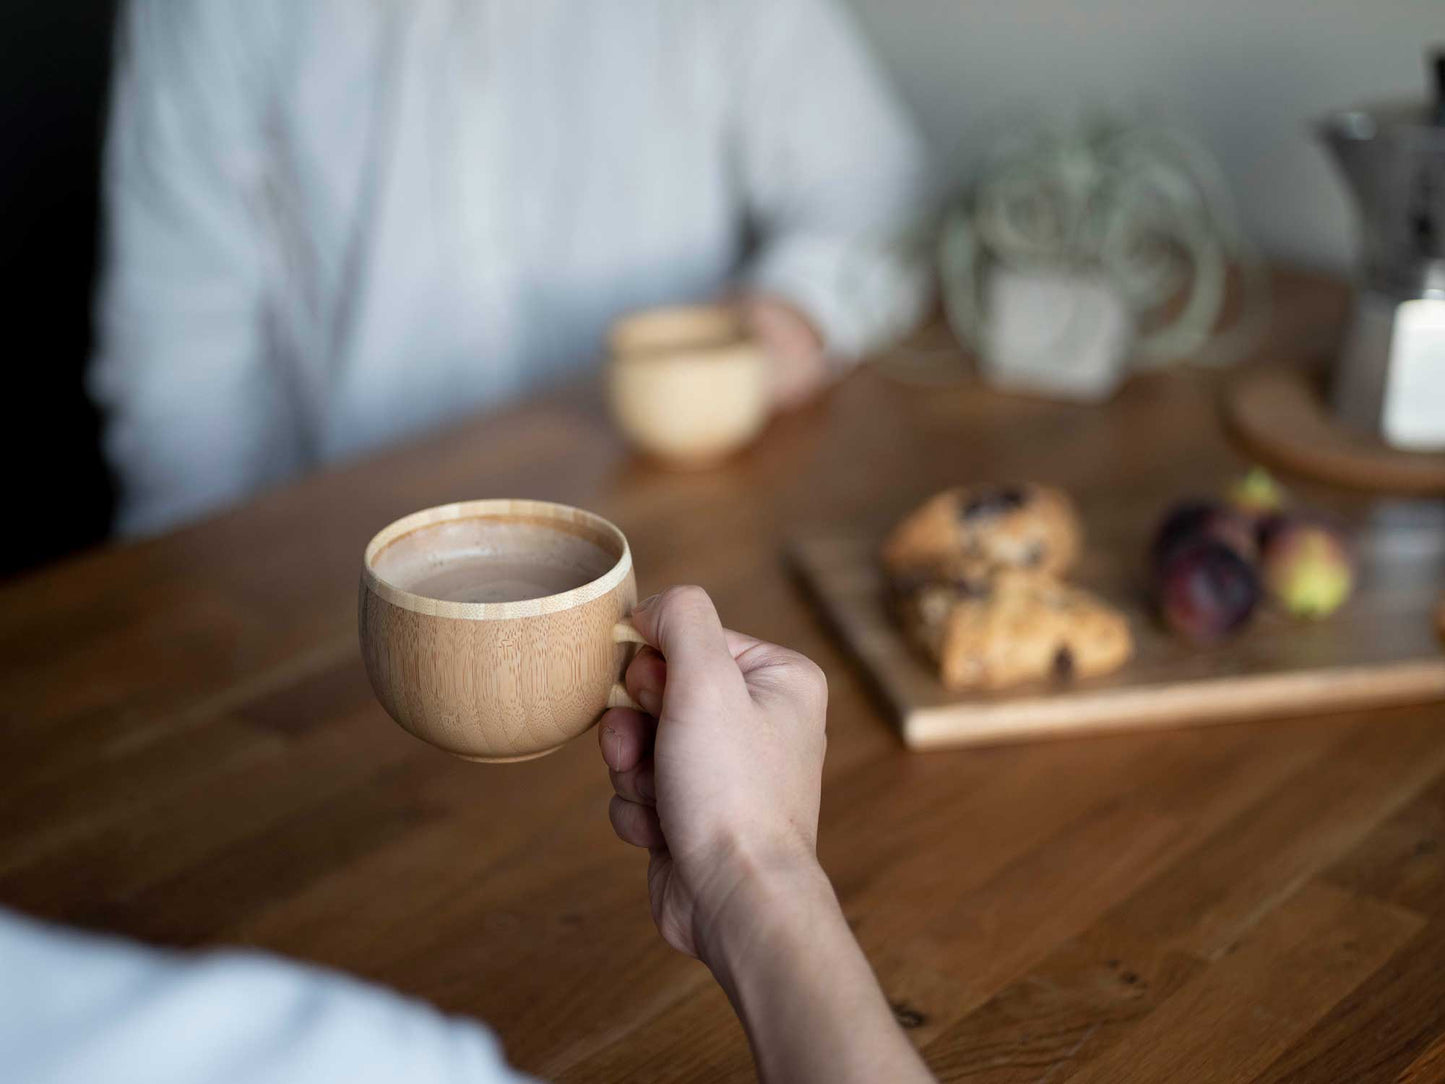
496	630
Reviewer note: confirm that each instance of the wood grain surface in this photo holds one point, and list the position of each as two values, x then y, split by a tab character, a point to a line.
1381	648
191	754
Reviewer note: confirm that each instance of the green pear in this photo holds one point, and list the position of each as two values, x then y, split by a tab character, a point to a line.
1307	566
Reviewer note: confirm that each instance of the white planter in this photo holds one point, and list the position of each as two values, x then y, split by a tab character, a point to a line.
1059	333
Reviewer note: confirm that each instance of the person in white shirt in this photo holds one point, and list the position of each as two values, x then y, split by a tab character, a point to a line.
331	223
720	783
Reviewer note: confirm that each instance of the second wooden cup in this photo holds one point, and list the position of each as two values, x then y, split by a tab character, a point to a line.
686	384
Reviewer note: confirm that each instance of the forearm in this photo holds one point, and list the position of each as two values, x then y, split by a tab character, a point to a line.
835	175
860	292
810	1003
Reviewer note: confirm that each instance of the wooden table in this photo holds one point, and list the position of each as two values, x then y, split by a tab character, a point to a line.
191	755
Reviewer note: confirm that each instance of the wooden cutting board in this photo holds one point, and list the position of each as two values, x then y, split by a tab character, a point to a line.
1381	648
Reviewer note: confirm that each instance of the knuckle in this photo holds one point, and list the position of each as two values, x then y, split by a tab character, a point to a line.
812	678
627	822
615	813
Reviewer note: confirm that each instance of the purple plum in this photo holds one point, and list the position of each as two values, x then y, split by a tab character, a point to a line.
1206	590
1192	521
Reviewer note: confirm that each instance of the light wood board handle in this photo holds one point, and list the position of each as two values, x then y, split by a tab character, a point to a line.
624	633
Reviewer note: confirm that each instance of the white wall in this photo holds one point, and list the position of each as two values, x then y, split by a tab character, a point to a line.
1245	76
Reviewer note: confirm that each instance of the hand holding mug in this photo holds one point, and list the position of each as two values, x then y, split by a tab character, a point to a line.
723	786
720	781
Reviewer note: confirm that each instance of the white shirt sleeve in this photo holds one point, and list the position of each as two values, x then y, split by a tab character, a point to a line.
196	414
834	172
79	1009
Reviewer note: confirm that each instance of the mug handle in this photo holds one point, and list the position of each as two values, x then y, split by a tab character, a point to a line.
624	633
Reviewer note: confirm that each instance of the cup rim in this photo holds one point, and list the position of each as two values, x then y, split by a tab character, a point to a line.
491	611
739	354
672	329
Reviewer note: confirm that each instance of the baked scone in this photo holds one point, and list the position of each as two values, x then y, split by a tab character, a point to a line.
1022	526
1008	626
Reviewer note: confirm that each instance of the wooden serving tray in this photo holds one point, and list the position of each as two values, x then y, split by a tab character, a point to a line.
1380	648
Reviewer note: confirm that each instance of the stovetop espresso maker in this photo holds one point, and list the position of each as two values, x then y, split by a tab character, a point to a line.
1390	375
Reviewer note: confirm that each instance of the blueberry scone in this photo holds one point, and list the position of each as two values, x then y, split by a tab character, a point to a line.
1021	526
1001	626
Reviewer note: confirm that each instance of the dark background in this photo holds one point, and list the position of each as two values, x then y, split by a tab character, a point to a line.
54	68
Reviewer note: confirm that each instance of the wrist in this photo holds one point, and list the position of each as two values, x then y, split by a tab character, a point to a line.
763	903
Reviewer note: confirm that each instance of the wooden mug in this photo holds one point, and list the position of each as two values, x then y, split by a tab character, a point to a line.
497	681
686	385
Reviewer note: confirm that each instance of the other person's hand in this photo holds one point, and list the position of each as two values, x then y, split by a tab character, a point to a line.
793	346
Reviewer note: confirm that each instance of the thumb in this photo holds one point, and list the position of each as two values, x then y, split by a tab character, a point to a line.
683	625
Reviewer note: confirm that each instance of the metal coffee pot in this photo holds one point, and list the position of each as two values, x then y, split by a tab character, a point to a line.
1390	375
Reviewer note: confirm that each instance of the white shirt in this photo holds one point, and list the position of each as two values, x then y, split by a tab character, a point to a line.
77	1009
335	222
